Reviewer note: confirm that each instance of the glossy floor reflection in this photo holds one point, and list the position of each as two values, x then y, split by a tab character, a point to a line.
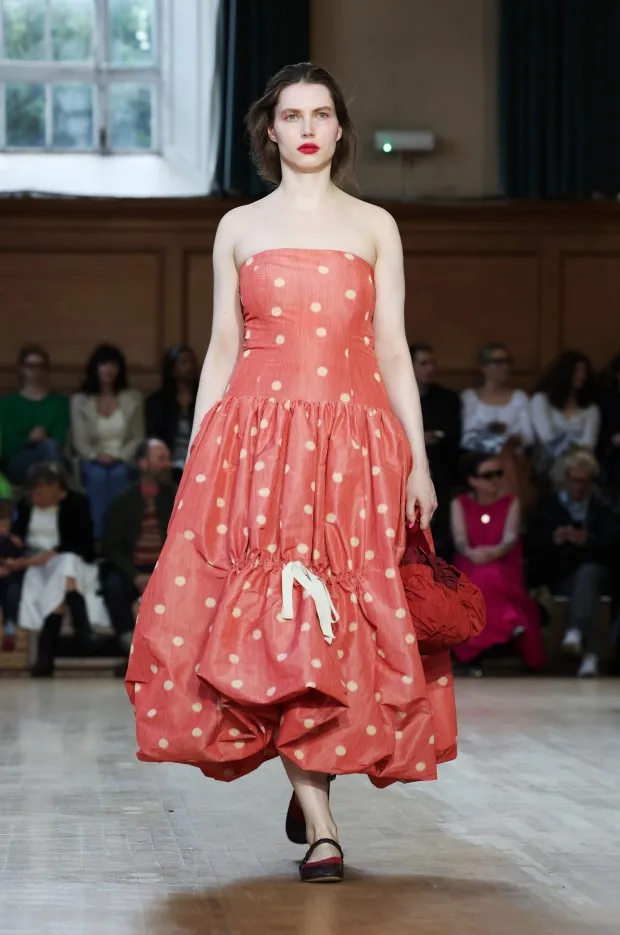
521	835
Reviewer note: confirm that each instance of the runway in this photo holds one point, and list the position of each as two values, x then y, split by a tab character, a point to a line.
521	835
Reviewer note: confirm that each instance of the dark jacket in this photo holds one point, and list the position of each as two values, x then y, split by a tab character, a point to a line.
441	411
124	522
609	405
162	417
75	528
550	563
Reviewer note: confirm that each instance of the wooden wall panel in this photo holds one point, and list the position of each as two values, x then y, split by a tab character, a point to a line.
199	299
457	302
76	272
70	301
591	303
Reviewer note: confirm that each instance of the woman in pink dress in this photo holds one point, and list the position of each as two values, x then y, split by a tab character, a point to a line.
276	624
486	531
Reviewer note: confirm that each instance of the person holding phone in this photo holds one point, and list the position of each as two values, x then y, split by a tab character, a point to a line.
572	542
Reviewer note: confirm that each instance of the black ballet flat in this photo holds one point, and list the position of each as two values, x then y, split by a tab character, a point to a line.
295	822
330	870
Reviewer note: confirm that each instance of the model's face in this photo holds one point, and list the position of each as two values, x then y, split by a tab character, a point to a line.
424	367
305	127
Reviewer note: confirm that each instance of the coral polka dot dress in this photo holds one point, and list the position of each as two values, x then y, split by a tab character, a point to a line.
275	621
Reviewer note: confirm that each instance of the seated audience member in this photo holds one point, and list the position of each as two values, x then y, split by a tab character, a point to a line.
134	532
496	420
6	490
441	412
486	532
170	409
34	422
56	569
573	539
107	423
10	547
609	441
564	412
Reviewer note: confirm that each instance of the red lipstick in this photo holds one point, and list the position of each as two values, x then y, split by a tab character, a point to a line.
308	148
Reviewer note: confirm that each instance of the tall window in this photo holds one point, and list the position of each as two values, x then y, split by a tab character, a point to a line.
79	75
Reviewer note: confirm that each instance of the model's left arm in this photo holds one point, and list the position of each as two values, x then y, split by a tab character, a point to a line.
396	367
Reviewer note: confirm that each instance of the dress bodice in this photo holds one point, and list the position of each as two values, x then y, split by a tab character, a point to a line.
308	328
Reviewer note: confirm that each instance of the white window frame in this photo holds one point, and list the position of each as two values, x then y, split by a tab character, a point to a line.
98	72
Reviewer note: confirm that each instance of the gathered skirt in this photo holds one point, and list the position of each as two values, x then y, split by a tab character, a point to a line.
275	622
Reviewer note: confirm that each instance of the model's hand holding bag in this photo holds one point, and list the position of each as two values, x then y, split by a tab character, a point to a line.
445	606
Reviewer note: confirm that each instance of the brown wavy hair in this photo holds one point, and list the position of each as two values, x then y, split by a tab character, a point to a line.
262	114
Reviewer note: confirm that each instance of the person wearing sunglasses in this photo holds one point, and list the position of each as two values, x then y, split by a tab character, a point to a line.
496	419
573	544
486	530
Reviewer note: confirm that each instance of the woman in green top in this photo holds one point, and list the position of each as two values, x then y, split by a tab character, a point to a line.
34	422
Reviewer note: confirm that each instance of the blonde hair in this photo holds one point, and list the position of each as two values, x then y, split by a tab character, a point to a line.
576	458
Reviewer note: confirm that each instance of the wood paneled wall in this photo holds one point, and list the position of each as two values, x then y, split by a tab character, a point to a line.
75	273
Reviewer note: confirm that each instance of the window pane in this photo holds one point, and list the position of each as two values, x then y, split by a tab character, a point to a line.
25	114
131	116
72	109
131	32
24	29
72	30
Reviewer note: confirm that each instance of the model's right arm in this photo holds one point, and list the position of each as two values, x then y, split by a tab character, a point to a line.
227	326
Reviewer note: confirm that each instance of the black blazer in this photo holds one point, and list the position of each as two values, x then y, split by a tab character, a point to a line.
550	563
162	417
75	528
441	411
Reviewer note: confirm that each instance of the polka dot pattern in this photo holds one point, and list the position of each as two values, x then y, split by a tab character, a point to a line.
301	460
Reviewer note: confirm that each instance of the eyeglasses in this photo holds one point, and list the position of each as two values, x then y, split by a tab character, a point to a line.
501	361
490	475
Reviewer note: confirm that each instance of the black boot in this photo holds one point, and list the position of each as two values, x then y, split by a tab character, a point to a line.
81	624
46	651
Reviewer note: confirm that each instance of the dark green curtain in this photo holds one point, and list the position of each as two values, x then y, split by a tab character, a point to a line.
257	37
559	66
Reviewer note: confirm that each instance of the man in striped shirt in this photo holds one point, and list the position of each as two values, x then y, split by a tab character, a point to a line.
134	533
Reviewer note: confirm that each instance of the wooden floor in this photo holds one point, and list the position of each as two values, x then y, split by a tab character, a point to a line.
521	835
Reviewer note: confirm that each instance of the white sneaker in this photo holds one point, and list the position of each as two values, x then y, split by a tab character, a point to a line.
589	667
572	641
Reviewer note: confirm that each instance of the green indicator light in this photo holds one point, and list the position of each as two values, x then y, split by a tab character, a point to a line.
387	147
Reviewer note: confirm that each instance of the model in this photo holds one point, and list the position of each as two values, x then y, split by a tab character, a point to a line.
275	624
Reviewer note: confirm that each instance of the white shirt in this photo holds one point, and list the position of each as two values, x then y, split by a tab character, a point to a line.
515	415
111	432
553	428
42	535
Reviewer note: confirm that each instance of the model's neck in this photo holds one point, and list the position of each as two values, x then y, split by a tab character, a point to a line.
307	191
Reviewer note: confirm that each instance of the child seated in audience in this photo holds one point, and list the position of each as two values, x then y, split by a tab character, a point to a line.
486	532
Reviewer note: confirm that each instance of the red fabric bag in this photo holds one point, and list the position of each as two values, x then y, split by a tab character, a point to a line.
445	606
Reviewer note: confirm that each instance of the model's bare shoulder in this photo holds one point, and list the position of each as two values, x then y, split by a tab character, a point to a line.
379	225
